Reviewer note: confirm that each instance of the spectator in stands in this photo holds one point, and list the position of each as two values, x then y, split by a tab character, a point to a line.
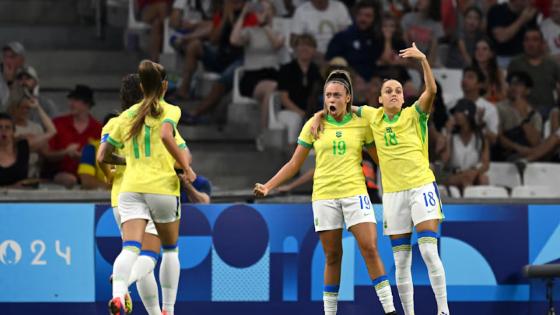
14	155
485	60
75	130
261	59
27	76
21	106
543	70
506	24
423	27
467	152
549	148
462	48
487	118
550	28
322	19
520	124
296	83
360	44
190	19
154	12
217	55
390	65
13	58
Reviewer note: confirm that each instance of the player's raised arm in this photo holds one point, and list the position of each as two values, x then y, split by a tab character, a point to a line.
427	98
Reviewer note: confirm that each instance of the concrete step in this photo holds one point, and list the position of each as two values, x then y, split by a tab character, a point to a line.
41	11
52	63
63	37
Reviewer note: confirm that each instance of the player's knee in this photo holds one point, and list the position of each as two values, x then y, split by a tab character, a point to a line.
369	251
333	256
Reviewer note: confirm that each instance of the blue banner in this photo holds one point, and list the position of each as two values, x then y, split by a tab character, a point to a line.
46	253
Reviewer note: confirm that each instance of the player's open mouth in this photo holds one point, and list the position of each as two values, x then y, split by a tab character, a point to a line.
332	108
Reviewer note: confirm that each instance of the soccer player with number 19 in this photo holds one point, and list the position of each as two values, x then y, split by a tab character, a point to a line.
339	191
410	194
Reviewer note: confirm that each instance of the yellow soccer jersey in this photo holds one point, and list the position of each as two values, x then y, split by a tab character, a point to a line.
149	166
119	169
338	157
402	147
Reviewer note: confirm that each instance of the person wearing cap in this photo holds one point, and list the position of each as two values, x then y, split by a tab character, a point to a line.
75	130
27	76
520	124
467	153
13	58
339	188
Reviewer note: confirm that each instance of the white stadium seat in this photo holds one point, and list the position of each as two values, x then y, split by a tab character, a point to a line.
504	174
542	174
454	192
485	192
535	192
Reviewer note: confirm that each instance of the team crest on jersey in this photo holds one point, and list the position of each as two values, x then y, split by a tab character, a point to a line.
339	134
388	130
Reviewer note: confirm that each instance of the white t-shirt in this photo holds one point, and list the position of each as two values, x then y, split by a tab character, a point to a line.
321	24
551	33
464	156
190	13
490	118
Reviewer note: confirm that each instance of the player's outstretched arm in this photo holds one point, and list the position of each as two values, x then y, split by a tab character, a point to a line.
427	98
286	172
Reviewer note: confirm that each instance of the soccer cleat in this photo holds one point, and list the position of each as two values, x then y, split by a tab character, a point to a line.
116	307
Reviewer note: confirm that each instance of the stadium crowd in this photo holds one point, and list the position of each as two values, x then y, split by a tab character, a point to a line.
504	107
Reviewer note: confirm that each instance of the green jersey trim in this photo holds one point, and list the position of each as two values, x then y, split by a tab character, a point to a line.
423	122
304	144
389	120
115	143
345	120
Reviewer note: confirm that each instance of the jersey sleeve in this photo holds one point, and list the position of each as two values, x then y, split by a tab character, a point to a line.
369	141
172	116
419	118
366	112
106	130
87	161
305	138
117	133
180	141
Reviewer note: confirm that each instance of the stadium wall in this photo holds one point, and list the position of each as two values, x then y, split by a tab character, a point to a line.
266	259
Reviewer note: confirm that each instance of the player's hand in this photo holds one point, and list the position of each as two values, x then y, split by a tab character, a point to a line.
317	125
190	175
412	52
260	190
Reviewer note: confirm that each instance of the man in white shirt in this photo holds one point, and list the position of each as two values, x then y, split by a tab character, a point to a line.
322	19
550	28
487	113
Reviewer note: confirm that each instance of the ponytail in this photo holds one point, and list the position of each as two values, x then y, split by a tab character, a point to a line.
152	76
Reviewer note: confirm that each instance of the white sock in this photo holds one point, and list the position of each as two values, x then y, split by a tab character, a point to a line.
122	267
330	299
145	264
427	242
148	291
402	253
383	290
169	273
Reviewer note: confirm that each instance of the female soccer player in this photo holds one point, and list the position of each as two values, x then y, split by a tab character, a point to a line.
150	187
339	192
142	270
410	194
